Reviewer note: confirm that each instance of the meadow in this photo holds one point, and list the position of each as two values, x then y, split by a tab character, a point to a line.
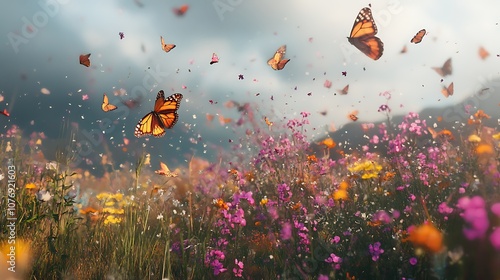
413	201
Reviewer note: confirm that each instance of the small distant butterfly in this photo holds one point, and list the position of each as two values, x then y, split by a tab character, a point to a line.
164	116
240	77
106	107
121	35
327	84
483	53
5	113
224	121
165	171
445	70
277	62
45	91
215	59
268	122
181	10
447	91
344	91
166	47
404	50
344	73
84	59
363	35
353	116
418	37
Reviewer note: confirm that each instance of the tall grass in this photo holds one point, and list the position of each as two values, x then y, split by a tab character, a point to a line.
410	202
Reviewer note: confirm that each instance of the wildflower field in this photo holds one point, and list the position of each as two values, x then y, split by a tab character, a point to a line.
411	201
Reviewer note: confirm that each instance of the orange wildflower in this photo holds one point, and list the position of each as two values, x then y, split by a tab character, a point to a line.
312	158
340	194
329	143
221	204
427	236
483	149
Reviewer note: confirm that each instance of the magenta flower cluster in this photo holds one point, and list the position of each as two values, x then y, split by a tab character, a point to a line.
475	215
375	250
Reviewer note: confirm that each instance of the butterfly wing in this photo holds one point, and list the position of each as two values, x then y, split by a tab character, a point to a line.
215	59
483	53
418	37
277	62
163	116
363	35
345	90
448	91
5	113
106	107
85	60
167	110
445	70
165	171
166	47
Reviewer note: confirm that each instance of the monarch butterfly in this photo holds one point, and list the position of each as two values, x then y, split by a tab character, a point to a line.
106	107
344	91
445	70
447	91
166	47
277	62
363	35
84	59
164	116
483	53
215	59
165	171
418	37
353	116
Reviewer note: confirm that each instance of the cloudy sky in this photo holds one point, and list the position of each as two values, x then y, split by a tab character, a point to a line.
42	42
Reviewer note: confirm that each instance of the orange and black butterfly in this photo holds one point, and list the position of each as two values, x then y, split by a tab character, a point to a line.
164	116
277	62
84	59
106	107
353	116
447	91
445	70
363	35
418	37
166	47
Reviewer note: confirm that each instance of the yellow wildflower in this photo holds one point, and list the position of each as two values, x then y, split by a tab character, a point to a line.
369	169
473	138
111	219
30	186
264	201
